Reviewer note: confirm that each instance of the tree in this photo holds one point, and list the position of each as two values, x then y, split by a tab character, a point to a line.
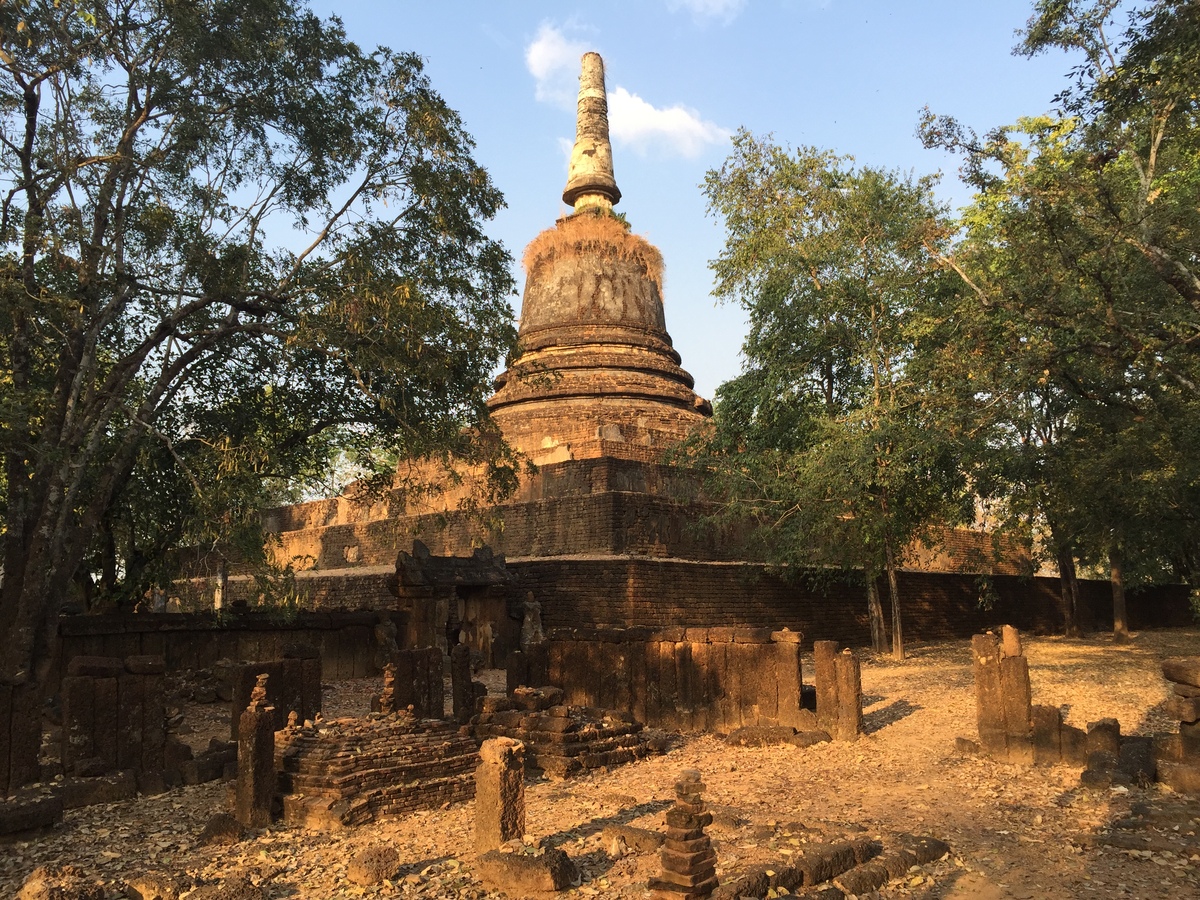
1080	252
821	440
231	239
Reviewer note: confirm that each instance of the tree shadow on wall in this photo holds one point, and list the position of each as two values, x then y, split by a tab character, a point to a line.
878	719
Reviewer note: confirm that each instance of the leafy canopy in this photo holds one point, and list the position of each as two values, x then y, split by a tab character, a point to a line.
232	240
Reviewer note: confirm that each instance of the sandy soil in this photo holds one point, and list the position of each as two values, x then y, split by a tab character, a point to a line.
1014	833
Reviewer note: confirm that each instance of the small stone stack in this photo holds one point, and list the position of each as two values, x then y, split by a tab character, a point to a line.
688	859
563	740
385	702
1179	755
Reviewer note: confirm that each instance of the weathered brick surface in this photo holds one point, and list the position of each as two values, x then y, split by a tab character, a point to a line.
717	685
563	740
114	719
352	771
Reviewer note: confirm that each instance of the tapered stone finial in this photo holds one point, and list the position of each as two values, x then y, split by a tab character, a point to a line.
590	180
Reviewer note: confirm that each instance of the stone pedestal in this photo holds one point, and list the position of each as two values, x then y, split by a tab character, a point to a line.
499	793
255	789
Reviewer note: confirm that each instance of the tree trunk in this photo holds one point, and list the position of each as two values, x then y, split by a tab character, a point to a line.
897	631
1120	621
1069	593
894	590
875	608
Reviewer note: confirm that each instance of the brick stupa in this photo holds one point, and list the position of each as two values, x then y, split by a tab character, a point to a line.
597	374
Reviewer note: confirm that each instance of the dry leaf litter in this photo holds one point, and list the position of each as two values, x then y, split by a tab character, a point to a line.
1014	832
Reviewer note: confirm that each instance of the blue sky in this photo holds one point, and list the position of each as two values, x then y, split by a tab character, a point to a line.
682	75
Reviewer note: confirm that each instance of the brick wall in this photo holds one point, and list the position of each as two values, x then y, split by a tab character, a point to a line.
934	606
694	679
345	640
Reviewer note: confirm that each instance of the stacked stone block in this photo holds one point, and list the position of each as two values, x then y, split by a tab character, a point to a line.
688	859
837	678
563	740
293	684
1179	755
683	679
1011	728
20	737
114	718
353	771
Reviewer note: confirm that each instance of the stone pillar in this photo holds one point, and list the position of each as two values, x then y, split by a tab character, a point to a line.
1018	709
255	789
461	693
590	180
78	722
20	738
435	705
825	682
688	860
499	793
989	699
849	697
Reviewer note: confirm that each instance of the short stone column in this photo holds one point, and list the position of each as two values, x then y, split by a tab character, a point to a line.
499	793
255	789
849	723
688	859
825	682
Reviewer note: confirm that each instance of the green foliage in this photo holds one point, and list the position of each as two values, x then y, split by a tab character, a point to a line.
234	244
1075	360
823	440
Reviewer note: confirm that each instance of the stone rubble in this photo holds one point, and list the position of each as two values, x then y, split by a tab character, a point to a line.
564	740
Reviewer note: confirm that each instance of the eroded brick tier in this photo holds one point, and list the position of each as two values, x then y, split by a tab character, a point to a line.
352	771
597	373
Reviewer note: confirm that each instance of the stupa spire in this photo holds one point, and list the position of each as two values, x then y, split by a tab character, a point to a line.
590	180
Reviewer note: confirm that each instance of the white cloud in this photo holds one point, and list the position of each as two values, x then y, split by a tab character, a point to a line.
725	10
676	130
553	61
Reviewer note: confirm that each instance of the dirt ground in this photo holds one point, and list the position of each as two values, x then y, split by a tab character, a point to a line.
1014	832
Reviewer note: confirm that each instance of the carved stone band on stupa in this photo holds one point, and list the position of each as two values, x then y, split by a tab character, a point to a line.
590	180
